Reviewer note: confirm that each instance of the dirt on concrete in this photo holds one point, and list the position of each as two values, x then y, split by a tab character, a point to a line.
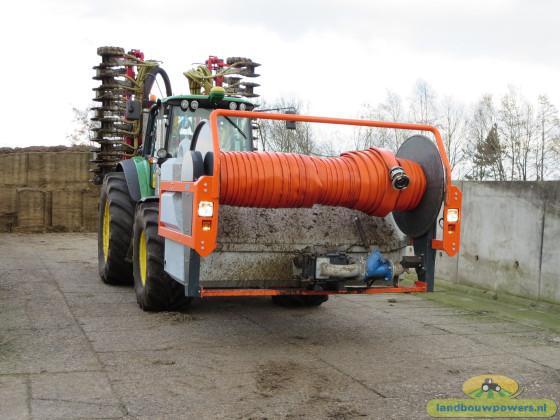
72	347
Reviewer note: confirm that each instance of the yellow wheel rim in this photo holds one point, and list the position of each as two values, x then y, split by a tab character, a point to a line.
143	258
106	230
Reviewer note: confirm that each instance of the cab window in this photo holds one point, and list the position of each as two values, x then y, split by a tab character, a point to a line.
235	133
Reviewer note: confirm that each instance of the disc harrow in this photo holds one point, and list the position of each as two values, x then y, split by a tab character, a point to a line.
123	76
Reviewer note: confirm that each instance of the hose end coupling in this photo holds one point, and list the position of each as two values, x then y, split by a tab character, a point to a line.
399	178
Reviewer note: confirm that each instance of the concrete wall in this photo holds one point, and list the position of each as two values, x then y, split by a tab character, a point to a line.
46	189
509	239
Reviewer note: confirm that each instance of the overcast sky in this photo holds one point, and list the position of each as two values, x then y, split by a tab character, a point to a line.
334	55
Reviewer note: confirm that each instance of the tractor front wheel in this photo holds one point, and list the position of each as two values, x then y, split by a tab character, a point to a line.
116	213
155	289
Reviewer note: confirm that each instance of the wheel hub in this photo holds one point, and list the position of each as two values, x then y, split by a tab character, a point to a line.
106	230
143	258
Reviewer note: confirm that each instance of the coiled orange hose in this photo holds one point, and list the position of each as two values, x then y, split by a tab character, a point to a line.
357	180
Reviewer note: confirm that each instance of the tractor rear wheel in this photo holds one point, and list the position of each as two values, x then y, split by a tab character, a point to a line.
114	234
155	289
299	301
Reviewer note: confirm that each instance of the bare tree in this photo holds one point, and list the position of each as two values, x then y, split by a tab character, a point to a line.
483	147
527	142
423	108
515	140
548	133
452	124
82	125
365	137
511	127
275	137
518	127
393	110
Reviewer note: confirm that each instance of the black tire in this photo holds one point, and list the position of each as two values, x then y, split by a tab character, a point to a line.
299	301
155	289
115	266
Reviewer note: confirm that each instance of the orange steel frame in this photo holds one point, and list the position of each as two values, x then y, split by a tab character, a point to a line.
207	188
418	287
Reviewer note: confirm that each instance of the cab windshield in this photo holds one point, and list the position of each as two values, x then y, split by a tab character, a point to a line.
235	132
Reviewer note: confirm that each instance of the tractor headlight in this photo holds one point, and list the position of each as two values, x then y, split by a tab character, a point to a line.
242	107
184	104
205	209
452	215
232	106
194	105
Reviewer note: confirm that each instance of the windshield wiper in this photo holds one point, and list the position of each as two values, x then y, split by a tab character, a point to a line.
236	126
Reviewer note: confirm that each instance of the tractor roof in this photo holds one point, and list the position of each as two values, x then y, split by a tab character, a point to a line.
205	97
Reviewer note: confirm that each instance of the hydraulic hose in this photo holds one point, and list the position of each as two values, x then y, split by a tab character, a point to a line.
373	181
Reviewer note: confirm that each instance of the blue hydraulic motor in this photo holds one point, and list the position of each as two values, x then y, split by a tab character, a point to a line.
379	267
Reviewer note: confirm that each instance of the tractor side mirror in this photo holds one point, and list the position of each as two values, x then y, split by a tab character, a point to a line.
290	125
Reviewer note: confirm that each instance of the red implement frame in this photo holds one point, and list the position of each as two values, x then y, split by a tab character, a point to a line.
207	188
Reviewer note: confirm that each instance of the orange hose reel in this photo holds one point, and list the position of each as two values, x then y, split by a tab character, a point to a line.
357	180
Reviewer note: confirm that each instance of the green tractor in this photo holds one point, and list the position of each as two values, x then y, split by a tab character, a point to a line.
187	210
137	133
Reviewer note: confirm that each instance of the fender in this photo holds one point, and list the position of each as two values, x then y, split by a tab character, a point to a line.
137	175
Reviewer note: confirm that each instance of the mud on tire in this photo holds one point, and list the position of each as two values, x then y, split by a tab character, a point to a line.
114	234
155	289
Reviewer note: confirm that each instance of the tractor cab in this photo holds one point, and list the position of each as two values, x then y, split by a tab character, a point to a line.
173	121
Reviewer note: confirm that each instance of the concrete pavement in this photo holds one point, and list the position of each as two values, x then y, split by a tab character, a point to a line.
72	347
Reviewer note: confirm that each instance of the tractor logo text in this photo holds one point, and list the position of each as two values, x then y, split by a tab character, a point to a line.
491	396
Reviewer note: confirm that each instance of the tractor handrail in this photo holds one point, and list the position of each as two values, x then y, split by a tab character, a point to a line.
207	187
452	199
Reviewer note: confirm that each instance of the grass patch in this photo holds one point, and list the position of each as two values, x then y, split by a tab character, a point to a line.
509	308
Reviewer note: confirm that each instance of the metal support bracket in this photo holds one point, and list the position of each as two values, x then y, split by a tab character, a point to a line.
423	247
192	274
